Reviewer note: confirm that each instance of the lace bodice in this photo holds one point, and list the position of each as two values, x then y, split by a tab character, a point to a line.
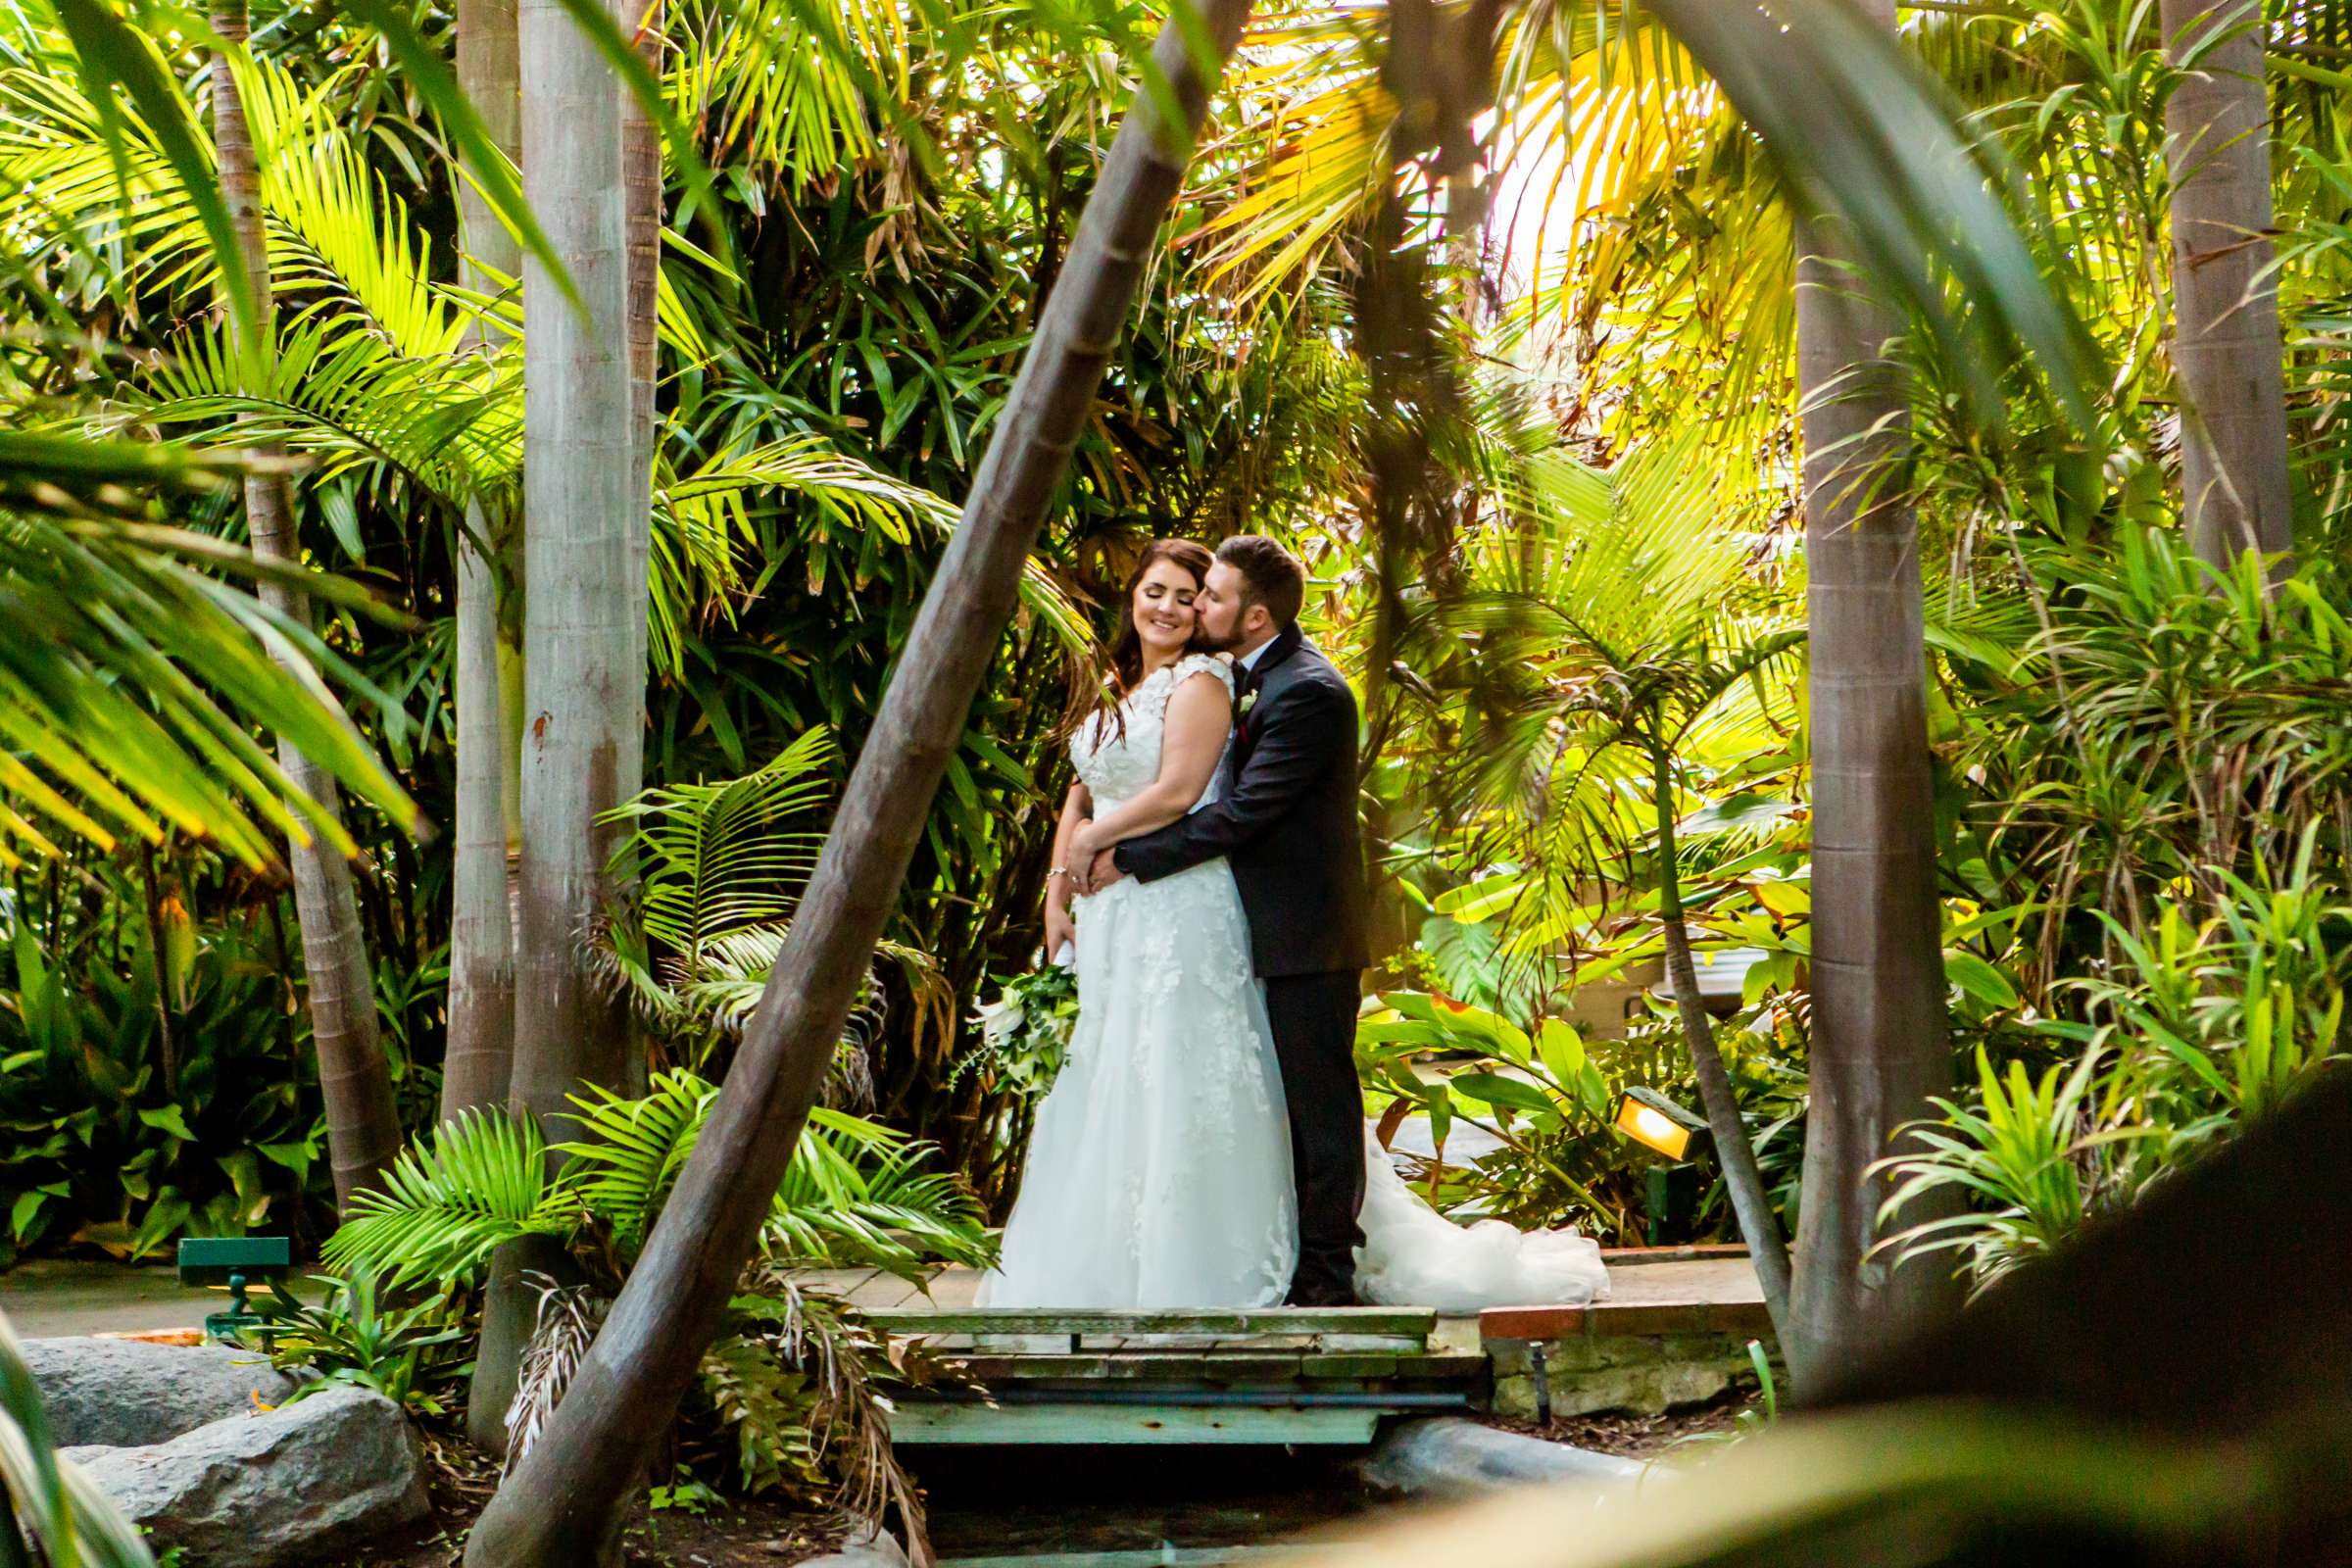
1115	766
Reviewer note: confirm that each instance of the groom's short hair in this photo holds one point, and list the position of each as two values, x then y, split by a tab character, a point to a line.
1273	575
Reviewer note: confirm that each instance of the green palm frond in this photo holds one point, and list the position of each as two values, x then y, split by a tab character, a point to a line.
1618	614
781	86
333	228
856	1196
634	1148
704	525
336	225
449	1202
132	677
712	858
338	391
68	1519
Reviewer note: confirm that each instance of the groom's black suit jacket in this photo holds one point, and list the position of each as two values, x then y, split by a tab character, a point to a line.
1286	818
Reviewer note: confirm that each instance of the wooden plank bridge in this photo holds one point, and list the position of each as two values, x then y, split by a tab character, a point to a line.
1299	1375
1276	1375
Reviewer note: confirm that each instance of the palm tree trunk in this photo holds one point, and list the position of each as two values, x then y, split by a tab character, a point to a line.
1879	1048
564	1504
481	971
641	160
585	515
481	946
362	1123
1752	1205
2226	347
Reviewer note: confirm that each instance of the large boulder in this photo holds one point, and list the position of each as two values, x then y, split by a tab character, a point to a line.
121	1393
283	1488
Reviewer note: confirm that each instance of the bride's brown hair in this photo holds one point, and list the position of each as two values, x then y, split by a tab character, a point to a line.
1119	664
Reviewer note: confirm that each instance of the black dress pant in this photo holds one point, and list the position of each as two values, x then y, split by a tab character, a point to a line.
1314	1041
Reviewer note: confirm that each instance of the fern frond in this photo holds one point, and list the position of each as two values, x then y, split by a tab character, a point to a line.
445	1204
765	1405
633	1149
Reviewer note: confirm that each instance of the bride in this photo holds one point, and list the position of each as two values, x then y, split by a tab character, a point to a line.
1159	1166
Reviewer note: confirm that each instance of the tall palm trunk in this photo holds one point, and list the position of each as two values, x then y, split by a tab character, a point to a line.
585	515
489	807
482	944
564	1504
362	1124
1743	1180
1878	1048
2226	347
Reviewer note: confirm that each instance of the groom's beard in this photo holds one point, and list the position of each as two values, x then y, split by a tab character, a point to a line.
1217	642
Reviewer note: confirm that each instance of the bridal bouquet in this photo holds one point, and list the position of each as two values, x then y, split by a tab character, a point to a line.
1024	1033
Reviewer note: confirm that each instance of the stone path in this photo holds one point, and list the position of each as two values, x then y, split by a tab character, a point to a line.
49	1297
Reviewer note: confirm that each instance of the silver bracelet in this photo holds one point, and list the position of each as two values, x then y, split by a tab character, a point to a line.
1060	871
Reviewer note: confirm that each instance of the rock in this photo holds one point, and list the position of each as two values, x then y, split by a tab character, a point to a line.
122	1393
1449	1457
878	1548
282	1487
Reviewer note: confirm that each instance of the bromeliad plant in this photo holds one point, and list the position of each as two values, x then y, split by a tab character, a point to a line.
410	1352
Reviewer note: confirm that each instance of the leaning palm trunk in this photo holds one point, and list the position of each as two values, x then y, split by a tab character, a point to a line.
564	1504
362	1124
2227	349
586	508
481	942
1878	1050
1743	1180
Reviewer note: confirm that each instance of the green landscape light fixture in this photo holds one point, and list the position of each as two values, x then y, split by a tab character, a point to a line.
236	1261
1653	1121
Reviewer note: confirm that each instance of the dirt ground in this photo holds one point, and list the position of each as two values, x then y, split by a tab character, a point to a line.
732	1534
1640	1436
767	1535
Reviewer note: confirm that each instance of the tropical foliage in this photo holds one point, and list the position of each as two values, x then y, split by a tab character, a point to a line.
784	1396
1545	463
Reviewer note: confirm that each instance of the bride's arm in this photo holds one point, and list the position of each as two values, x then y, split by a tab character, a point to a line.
1193	741
1060	884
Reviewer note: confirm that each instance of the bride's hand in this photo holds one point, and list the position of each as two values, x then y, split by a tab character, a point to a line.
1060	931
1084	845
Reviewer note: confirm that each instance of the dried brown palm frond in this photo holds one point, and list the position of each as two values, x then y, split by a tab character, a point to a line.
850	1424
568	1317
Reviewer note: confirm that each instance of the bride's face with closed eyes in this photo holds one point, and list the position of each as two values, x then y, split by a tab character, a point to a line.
1162	606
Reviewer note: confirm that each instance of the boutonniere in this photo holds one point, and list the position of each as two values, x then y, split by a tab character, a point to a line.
1249	701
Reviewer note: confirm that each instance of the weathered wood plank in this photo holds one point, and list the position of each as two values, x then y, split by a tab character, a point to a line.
1348	1364
1131	1366
1384	1321
944	1422
1451	1366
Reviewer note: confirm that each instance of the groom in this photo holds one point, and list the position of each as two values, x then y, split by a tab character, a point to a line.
1286	821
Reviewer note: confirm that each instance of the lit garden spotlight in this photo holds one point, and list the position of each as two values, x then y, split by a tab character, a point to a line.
1653	1121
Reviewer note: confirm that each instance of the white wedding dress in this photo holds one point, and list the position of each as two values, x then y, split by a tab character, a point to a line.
1160	1167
